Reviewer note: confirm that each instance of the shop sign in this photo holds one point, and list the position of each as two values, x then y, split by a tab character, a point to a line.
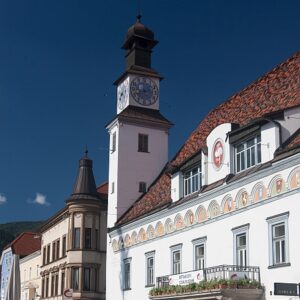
286	289
68	294
186	278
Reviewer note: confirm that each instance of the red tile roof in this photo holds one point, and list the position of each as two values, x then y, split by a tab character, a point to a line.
102	189
25	244
295	141
277	90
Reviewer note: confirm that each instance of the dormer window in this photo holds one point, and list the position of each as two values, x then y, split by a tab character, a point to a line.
248	154
192	180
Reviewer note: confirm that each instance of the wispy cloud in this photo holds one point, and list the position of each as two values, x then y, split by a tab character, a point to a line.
39	199
3	199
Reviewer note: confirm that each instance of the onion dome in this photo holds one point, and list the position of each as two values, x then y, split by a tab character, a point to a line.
139	31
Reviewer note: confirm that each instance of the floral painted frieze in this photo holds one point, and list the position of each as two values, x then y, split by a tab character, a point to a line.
200	214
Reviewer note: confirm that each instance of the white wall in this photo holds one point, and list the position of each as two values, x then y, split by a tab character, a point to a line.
269	141
219	244
176	186
218	133
30	275
128	167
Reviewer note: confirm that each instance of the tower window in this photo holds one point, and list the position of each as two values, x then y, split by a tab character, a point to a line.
143	143
114	142
142	187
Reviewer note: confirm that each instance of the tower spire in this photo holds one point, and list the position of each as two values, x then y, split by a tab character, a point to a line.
85	186
138	44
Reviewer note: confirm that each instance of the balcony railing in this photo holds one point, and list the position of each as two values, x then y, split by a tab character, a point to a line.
218	272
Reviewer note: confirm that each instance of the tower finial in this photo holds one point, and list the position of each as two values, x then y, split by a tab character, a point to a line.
139	15
86	151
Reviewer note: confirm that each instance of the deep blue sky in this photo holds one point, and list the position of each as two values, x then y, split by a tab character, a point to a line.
58	59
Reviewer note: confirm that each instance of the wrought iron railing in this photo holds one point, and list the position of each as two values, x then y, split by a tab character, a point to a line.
218	272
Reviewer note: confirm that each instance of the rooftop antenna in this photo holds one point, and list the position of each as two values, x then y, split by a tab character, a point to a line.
86	150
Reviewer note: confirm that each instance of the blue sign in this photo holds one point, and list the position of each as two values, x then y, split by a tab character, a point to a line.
7	261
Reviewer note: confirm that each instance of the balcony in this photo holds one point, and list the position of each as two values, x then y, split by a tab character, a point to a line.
217	282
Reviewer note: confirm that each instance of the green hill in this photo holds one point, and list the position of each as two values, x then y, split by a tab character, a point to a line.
9	231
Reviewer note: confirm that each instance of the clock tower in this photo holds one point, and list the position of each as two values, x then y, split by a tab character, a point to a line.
139	84
139	133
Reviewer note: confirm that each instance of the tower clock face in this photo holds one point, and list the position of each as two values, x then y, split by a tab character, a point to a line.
144	90
123	93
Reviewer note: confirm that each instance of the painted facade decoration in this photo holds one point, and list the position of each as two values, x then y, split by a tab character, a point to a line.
294	179
189	218
201	214
228	204
277	186
179	223
169	226
218	154
242	198
159	229
150	232
214	209
259	192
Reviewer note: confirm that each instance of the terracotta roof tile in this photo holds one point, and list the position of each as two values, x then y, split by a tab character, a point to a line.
102	189
294	141
277	90
25	244
159	195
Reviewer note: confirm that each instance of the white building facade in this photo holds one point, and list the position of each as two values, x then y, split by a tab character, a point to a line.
30	276
224	208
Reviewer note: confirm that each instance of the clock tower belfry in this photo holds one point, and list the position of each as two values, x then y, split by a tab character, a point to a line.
139	84
139	133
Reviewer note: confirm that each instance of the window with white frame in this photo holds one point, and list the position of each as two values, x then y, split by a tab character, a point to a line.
176	258
192	180
150	259
248	154
127	273
241	245
199	253
278	240
241	249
